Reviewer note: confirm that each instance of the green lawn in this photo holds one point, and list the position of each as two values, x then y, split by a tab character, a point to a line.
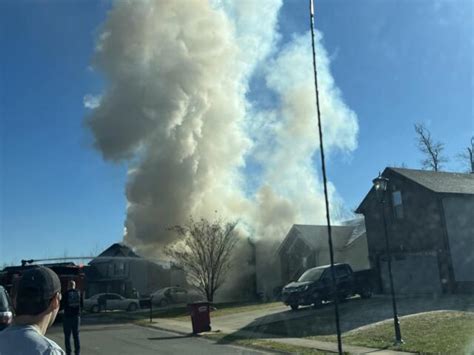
447	332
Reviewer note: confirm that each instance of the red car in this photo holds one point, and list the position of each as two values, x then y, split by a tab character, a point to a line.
6	309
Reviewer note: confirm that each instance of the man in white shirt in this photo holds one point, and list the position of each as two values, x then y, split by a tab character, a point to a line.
36	304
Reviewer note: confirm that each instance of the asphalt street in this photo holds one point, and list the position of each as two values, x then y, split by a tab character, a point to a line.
129	339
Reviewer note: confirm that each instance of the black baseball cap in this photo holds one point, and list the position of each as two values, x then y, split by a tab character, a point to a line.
36	287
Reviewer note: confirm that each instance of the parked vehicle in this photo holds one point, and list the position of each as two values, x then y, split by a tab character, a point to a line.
315	286
6	309
174	295
110	301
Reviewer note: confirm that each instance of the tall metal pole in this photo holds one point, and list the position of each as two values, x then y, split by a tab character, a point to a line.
151	309
396	322
326	194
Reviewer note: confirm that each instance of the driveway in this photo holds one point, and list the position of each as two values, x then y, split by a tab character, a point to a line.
354	313
242	319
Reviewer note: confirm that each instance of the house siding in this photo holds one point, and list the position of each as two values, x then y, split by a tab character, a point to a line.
354	254
460	232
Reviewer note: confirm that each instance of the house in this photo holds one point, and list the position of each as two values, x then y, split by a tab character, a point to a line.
430	225
306	246
279	261
119	269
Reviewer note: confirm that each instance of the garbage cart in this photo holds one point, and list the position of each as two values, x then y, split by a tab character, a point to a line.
200	317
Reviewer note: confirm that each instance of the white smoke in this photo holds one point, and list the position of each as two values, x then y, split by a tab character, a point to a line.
91	101
176	108
290	174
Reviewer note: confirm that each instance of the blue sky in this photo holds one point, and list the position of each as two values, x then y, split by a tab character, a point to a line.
396	63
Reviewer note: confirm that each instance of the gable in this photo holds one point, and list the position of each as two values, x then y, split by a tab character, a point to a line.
316	237
116	250
358	231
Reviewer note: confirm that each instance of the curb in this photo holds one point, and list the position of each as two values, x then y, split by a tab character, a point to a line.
180	332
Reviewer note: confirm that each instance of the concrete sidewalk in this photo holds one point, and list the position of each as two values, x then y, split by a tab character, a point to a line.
185	328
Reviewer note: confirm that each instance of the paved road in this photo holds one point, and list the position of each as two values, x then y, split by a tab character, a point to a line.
129	339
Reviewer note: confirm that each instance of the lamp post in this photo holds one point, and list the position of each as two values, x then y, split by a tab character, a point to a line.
380	185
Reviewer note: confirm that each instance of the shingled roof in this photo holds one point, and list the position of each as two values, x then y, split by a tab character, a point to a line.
116	250
316	236
119	250
437	181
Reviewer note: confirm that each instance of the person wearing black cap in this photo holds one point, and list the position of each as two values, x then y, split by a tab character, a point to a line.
36	304
73	303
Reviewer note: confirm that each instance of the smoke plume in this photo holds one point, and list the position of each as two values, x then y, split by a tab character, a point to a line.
177	108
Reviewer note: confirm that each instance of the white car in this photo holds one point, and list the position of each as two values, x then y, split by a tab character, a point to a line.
110	301
174	295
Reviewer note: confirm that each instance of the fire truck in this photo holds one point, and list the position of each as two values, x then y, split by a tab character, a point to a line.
66	271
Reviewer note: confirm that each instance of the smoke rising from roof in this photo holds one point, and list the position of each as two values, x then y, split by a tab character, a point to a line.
176	107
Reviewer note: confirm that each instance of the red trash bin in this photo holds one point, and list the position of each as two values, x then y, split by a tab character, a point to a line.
200	317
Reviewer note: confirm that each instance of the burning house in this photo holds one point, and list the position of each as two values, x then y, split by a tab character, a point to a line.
119	269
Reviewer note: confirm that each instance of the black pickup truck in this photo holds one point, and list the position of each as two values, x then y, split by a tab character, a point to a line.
315	286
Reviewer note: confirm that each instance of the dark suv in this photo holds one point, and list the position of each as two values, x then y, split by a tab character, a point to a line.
6	309
315	286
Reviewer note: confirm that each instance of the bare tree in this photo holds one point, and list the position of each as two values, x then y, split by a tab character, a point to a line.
468	157
204	251
432	150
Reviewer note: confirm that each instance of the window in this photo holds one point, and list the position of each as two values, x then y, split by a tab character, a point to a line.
119	268
397	204
326	277
311	275
342	272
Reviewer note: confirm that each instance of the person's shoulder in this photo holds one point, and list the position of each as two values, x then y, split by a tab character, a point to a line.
26	339
53	348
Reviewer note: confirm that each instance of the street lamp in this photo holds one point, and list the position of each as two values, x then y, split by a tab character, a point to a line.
380	186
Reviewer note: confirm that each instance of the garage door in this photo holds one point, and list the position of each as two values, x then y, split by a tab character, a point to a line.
412	274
